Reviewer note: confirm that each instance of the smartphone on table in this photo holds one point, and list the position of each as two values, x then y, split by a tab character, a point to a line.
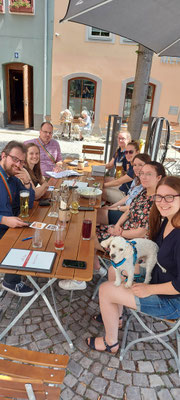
74	264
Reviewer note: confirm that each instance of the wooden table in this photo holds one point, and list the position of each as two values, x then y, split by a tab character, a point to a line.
75	249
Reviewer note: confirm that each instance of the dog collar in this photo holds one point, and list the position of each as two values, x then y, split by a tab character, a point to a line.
132	243
119	263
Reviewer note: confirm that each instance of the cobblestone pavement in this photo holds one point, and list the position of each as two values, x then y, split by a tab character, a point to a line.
148	371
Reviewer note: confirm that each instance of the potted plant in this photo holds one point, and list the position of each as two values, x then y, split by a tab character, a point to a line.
21	6
1	6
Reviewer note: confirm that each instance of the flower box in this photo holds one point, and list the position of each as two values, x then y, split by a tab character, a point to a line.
1	6
25	9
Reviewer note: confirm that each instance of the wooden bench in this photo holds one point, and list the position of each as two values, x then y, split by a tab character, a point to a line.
88	149
26	374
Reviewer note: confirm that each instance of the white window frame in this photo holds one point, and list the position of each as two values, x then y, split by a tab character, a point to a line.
94	38
124	40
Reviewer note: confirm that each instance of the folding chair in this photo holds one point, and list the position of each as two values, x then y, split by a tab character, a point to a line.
26	374
174	326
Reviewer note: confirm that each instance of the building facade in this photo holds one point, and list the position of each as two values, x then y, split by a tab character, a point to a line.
95	70
26	33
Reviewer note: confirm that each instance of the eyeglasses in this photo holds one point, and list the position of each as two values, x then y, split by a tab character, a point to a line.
121	138
129	151
50	133
169	198
148	174
16	160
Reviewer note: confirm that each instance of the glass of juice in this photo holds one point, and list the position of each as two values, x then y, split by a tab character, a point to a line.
59	237
86	229
75	202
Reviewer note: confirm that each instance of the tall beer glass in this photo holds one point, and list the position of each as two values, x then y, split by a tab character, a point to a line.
119	169
24	203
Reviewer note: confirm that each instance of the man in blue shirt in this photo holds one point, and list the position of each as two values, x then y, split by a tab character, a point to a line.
11	164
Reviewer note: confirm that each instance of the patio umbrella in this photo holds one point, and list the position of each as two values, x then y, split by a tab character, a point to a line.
152	23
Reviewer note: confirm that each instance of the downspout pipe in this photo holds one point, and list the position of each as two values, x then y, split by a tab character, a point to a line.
45	58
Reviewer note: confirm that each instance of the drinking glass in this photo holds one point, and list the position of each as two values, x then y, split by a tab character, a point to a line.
59	237
24	203
54	203
119	169
86	229
75	202
92	200
37	240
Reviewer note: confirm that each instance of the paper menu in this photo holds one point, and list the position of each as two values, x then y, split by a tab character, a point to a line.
63	174
29	260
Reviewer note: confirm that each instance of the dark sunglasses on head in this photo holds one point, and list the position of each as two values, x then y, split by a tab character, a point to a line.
129	151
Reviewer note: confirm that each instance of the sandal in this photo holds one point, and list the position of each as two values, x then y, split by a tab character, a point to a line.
98	318
108	348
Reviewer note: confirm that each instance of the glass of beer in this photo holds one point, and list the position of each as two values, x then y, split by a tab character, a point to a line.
24	203
75	202
86	229
119	168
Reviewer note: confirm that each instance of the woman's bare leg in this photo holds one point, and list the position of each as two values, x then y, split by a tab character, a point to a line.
110	298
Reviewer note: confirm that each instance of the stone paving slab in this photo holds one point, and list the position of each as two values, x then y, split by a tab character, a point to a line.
143	375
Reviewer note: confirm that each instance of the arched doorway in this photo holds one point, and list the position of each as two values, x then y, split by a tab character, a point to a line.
19	94
81	95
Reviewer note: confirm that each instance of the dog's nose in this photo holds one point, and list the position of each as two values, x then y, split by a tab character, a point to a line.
113	255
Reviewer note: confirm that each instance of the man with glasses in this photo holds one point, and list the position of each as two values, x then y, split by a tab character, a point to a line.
11	166
50	152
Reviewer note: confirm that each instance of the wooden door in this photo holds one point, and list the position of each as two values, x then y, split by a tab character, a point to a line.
28	95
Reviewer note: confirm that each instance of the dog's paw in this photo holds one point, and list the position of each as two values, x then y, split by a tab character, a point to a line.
117	283
128	284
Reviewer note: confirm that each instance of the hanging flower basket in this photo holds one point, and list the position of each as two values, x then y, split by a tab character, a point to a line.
1	6
21	6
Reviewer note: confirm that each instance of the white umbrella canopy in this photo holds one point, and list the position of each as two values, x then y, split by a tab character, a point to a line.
153	23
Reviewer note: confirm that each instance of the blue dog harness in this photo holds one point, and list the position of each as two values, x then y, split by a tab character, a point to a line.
132	243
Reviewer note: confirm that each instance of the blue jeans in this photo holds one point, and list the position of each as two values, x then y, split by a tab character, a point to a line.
159	306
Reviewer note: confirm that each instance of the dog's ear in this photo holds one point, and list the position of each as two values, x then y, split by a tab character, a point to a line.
128	252
106	243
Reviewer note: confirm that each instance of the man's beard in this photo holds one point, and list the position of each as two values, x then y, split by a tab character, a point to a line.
9	171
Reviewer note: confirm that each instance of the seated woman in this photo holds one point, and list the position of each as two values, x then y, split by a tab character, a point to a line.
110	215
115	189
34	170
161	297
134	222
119	156
85	124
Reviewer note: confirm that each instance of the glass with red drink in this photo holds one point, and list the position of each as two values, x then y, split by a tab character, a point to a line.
59	238
86	229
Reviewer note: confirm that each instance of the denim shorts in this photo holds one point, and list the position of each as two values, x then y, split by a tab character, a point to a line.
159	306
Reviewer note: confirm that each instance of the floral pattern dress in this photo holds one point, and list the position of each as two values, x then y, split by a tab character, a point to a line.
138	216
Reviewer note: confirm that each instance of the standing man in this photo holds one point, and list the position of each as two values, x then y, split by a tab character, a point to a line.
11	164
50	152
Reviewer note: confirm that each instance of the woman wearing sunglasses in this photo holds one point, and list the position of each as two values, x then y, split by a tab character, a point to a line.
161	297
115	189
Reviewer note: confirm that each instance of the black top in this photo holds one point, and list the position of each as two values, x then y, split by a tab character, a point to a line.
168	258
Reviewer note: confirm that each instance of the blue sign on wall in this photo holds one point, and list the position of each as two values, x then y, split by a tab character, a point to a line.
16	55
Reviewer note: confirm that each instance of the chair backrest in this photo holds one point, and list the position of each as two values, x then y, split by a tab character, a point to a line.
26	377
89	149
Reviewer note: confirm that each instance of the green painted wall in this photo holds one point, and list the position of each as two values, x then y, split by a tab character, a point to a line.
24	34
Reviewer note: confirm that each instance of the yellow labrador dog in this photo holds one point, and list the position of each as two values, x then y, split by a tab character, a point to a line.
124	255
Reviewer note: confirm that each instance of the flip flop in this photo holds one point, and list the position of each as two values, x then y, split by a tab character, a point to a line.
108	348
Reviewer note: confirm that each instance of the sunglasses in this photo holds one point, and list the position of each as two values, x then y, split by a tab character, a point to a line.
129	151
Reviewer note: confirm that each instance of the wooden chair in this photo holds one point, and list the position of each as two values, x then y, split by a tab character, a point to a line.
22	374
153	335
89	149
